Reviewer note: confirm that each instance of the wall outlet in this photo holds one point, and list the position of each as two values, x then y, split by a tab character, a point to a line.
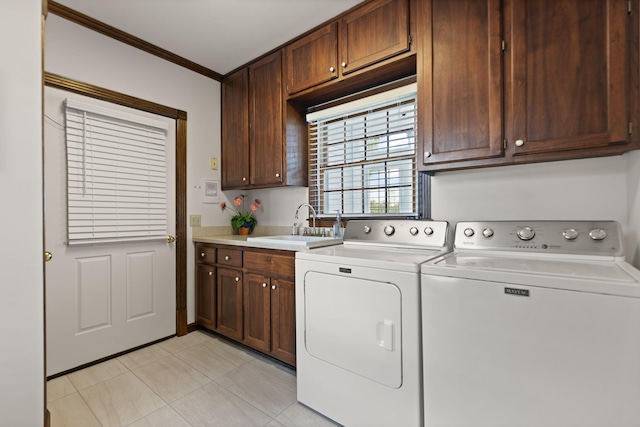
195	220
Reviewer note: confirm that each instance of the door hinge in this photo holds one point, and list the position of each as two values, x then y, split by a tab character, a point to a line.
630	128
503	45
410	39
629	7
504	143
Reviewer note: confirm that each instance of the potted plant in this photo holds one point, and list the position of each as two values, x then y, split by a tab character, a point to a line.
242	221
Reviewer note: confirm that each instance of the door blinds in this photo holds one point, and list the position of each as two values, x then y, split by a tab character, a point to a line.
116	175
362	156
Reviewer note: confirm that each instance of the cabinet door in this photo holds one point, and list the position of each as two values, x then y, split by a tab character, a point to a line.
372	33
206	295
313	59
459	81
283	320
235	130
229	303
266	136
567	74
257	323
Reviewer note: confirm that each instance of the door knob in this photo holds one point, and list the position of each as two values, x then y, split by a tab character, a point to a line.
171	239
48	256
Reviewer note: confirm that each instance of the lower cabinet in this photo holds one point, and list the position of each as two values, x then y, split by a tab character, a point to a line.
249	296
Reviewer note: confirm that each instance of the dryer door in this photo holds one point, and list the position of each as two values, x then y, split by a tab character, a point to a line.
355	324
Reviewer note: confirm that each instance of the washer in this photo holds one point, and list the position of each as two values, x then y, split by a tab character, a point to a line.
358	322
532	324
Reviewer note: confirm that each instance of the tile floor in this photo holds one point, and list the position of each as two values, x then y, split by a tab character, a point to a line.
194	380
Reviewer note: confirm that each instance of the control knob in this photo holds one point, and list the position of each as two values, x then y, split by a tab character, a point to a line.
597	234
469	232
487	232
367	229
526	233
570	234
389	230
413	231
428	231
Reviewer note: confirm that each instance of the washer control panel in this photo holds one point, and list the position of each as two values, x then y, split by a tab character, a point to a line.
401	232
561	237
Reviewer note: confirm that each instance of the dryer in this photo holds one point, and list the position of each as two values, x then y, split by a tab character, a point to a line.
532	324
358	322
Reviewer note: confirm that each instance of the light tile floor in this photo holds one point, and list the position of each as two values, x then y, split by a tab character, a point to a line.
195	380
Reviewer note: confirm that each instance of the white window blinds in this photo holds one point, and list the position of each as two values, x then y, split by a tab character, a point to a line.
116	175
362	156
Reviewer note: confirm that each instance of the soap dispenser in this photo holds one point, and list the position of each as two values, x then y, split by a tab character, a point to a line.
336	226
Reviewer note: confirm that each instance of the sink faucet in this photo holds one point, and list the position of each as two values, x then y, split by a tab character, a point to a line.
313	212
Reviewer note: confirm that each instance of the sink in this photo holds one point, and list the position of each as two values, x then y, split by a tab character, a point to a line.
302	241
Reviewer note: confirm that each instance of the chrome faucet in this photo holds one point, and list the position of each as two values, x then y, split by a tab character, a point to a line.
313	212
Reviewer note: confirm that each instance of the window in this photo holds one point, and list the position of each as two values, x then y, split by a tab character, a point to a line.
363	156
116	175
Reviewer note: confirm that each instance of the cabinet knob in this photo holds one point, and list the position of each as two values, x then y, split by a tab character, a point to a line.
226	258
519	143
273	286
331	69
264	285
344	64
211	273
427	154
237	279
277	175
244	179
203	254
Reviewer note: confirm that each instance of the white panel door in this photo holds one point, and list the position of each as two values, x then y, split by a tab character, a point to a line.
104	298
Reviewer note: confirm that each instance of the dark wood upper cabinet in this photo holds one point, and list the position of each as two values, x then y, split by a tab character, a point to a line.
459	80
372	33
265	135
567	75
235	130
312	59
264	140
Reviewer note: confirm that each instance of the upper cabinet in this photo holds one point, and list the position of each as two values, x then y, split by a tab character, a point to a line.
263	137
516	81
459	80
372	33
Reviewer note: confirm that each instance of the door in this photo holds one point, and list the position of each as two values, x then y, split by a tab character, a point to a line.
103	298
235	130
257	302
229	303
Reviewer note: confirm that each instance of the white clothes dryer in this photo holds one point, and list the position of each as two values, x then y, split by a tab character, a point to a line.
358	322
532	324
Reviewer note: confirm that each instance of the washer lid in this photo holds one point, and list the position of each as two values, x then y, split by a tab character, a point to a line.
573	274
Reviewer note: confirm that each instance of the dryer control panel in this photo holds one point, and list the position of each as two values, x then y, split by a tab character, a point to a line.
597	238
401	233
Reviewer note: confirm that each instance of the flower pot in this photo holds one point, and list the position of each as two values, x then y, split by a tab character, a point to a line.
243	231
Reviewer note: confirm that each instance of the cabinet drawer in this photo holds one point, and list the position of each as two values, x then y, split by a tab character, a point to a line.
230	257
205	254
270	265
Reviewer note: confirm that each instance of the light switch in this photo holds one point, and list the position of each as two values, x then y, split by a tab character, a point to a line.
213	163
195	220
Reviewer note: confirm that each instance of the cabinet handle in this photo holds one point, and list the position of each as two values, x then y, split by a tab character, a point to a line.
237	279
226	258
211	273
244	179
277	175
344	65
519	143
264	285
331	69
427	154
273	286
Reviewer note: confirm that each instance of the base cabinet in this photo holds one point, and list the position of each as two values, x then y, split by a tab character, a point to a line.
248	296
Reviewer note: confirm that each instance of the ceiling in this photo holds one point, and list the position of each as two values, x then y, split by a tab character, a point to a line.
218	34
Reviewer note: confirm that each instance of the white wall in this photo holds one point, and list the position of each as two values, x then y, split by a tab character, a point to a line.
21	251
75	52
632	248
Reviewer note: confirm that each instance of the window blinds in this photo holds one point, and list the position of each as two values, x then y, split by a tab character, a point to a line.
116	175
362	156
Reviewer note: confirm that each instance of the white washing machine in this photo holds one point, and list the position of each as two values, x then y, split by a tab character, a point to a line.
532	324
358	322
